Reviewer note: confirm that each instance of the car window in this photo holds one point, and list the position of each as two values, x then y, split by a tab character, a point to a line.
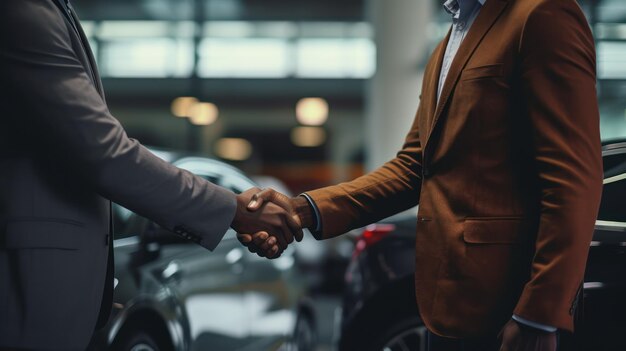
127	223
614	162
211	178
613	204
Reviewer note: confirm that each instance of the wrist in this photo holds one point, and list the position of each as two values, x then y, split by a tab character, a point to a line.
303	210
237	217
531	328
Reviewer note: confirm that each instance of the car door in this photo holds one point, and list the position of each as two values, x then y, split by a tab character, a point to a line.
271	291
604	311
270	287
234	300
208	287
268	294
229	329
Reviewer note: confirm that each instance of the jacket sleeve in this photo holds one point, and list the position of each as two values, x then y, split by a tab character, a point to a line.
38	67
558	80
392	188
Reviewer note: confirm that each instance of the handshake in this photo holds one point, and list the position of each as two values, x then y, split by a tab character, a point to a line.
268	221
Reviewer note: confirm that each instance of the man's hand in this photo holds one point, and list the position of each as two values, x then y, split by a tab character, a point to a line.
298	206
518	338
261	243
275	226
298	209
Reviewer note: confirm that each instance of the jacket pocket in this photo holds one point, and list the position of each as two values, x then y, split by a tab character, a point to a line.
496	230
487	71
44	233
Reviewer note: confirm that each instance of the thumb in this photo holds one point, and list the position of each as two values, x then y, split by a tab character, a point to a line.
255	203
259	199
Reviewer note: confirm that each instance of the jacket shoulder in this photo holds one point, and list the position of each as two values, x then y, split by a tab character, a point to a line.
523	9
32	24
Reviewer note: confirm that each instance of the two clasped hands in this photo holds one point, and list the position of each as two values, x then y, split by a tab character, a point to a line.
268	221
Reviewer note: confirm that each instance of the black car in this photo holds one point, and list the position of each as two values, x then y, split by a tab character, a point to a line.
172	294
379	308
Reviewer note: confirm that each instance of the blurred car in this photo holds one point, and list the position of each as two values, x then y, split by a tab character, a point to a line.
379	308
172	294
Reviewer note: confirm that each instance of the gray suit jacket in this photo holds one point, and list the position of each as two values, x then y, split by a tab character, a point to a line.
63	157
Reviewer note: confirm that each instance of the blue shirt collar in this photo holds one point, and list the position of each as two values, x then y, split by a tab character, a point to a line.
461	9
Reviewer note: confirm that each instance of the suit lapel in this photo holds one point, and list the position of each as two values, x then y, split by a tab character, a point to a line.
91	60
91	67
486	18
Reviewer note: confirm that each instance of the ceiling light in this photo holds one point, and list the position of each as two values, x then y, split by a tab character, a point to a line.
181	106
234	149
308	136
312	111
203	113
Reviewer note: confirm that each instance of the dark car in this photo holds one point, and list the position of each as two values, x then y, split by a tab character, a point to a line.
379	309
172	294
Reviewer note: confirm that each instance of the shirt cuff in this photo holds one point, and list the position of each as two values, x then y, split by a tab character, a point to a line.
545	328
316	213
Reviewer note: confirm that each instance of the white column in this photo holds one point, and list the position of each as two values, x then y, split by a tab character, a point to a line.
401	36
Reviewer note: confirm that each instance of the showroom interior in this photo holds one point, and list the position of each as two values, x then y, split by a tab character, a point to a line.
295	94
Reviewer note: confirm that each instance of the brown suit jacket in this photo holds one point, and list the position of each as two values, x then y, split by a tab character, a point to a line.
506	168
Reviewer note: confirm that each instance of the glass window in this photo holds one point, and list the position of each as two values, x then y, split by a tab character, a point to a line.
147	57
233	49
127	223
608	20
338	58
248	57
612	60
133	29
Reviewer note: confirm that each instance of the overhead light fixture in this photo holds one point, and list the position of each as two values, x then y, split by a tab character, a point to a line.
312	111
308	136
181	106
234	149
203	113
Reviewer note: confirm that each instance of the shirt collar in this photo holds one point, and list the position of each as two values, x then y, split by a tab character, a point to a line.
460	9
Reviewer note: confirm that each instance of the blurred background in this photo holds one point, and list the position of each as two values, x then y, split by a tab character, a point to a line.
294	93
311	92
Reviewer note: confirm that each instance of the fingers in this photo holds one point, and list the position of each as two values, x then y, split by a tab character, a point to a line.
269	244
245	239
260	198
262	244
287	235
259	238
295	227
274	252
270	195
282	240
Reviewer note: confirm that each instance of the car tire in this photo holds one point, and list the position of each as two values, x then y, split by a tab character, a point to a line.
386	334
407	334
386	319
305	337
139	341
